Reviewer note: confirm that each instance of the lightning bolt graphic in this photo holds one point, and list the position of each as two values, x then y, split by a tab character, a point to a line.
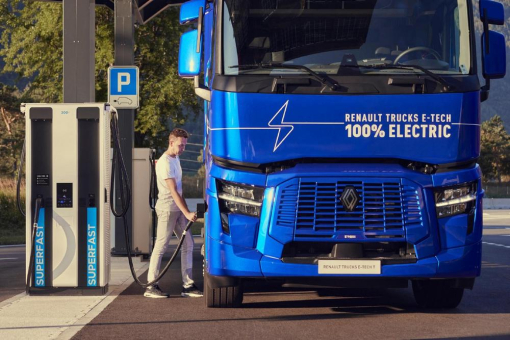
287	128
284	128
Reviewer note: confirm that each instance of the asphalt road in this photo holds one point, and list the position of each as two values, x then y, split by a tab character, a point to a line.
12	271
272	312
319	314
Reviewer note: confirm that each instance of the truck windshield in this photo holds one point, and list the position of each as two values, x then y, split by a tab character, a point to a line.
329	36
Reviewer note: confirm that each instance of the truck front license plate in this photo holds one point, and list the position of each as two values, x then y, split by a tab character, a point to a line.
349	267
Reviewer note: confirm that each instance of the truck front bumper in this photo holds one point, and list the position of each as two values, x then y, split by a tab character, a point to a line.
228	260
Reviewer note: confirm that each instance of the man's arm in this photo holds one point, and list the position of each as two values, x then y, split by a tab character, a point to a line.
179	201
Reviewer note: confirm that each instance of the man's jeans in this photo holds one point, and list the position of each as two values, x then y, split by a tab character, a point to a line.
168	223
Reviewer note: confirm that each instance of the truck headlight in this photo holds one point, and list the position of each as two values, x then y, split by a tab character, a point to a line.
455	200
240	199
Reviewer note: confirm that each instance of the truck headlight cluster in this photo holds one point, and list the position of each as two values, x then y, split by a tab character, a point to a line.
455	200
240	199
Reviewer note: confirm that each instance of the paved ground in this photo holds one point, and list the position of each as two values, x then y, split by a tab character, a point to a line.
12	271
298	314
323	314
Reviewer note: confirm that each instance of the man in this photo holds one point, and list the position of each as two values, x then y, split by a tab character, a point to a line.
173	214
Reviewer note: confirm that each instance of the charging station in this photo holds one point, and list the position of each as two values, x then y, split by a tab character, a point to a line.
68	174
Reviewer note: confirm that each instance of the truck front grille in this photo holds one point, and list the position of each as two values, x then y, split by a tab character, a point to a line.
314	208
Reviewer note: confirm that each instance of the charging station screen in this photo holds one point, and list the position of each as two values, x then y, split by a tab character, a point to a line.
64	195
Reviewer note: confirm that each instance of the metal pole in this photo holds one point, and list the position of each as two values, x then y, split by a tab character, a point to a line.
124	56
79	48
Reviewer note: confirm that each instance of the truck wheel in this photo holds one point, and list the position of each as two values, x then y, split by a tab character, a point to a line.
436	294
223	297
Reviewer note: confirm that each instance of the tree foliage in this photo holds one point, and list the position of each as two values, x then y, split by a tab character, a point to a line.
12	130
32	47
164	96
495	149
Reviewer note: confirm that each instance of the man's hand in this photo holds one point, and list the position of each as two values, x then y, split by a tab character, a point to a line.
192	216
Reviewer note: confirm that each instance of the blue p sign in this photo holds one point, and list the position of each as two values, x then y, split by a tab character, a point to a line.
123	81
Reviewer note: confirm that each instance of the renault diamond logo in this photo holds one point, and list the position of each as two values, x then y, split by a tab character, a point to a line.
349	198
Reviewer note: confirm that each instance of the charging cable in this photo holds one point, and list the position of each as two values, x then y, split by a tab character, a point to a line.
119	166
152	194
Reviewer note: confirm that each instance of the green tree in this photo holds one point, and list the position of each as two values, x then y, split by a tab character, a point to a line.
12	130
32	46
495	149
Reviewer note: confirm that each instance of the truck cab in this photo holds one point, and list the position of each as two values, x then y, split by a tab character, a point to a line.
341	141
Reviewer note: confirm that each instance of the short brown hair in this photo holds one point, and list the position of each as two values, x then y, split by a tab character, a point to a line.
177	132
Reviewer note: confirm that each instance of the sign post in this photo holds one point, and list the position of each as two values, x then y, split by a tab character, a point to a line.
123	87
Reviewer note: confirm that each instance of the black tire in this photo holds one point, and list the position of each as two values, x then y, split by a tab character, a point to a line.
224	297
436	294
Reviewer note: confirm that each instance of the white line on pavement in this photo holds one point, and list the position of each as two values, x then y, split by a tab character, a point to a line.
497	245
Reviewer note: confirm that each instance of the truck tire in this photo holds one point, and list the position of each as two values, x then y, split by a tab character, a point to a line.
223	297
436	294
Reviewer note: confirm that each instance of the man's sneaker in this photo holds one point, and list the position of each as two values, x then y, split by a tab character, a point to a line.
155	292
192	291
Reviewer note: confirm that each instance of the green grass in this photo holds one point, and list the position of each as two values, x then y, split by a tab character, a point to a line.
12	223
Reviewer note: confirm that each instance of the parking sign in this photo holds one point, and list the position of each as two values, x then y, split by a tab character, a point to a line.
123	87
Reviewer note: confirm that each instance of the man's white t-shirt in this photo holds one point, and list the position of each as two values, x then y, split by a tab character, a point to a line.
168	167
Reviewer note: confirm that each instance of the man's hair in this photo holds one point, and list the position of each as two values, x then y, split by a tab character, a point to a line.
179	133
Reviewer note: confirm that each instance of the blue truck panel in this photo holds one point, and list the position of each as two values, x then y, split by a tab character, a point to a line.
264	128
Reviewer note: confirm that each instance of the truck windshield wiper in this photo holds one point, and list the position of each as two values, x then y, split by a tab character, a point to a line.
323	79
432	75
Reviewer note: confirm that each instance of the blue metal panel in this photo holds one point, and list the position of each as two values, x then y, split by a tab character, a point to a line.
275	268
243	230
457	177
263	128
241	177
227	260
266	244
461	261
453	231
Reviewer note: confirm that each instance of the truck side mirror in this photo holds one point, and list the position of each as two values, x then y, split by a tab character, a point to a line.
190	48
189	55
190	11
493	55
492	12
493	44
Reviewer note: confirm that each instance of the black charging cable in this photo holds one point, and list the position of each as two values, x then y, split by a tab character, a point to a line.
153	194
125	199
38	206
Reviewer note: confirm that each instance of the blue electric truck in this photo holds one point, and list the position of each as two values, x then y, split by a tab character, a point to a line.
341	141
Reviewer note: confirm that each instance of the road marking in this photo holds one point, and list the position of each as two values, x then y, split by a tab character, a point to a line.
497	245
8	258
